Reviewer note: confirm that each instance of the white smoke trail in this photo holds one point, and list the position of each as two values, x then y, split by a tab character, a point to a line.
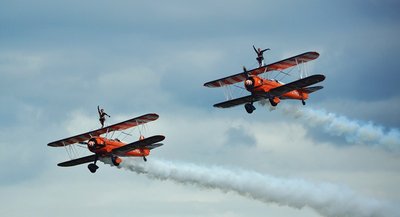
327	199
353	131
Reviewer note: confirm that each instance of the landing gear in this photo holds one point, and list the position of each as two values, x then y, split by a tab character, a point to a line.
273	103
93	167
145	159
303	102
249	107
116	160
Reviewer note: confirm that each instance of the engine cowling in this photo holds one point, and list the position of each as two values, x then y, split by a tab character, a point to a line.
249	84
93	144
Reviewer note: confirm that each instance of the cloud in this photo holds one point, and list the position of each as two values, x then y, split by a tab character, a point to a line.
239	137
60	60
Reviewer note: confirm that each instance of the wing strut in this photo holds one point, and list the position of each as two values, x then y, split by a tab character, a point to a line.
72	151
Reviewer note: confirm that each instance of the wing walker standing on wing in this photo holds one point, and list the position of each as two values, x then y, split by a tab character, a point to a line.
103	147
102	116
270	89
260	55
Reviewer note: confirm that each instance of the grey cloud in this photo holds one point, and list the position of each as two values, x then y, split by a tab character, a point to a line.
57	58
239	137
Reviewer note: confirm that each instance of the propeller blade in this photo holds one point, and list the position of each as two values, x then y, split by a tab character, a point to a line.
245	72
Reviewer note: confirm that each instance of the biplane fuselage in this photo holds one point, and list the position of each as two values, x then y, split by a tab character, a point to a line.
258	85
104	147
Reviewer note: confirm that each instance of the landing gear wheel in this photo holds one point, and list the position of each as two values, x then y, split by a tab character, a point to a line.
303	102
145	159
92	167
272	102
114	160
249	108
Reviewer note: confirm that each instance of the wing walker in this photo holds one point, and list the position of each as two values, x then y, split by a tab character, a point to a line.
114	149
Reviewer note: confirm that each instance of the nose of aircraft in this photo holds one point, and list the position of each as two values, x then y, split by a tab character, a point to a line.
249	82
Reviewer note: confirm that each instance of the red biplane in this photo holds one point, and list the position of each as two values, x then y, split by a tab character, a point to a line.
270	89
103	147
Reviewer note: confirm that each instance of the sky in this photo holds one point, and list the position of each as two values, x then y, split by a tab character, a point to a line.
59	60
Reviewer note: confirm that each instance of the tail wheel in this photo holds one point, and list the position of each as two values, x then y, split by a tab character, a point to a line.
303	102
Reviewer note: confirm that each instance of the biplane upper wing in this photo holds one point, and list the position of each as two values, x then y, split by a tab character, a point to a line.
238	101
295	85
119	126
78	161
280	65
144	143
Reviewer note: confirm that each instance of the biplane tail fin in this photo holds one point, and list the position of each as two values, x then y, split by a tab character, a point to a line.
311	89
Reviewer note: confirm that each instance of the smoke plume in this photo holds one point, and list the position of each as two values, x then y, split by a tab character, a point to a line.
327	199
355	132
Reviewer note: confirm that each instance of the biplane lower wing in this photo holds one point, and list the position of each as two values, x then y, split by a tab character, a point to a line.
119	126
153	146
276	92
295	85
144	143
78	161
311	89
238	101
280	65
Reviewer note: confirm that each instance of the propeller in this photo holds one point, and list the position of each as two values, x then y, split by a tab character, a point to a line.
245	72
92	143
249	82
